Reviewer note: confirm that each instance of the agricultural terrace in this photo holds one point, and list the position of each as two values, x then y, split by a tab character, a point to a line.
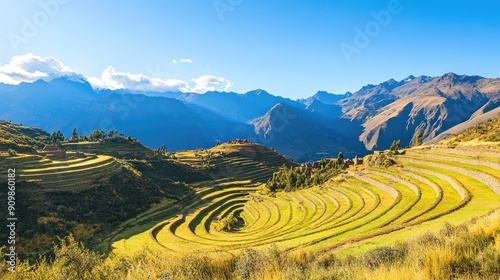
118	149
65	174
360	209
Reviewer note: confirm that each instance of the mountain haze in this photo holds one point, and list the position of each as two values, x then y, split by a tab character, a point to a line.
306	129
239	107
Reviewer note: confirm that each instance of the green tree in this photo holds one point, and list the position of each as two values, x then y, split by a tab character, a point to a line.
417	138
97	135
228	223
288	179
74	260
316	179
74	135
104	135
161	150
395	145
52	138
340	159
56	137
323	163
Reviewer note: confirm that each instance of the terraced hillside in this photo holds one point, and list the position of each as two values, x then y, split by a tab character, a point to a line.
119	148
365	207
71	175
236	169
89	195
244	161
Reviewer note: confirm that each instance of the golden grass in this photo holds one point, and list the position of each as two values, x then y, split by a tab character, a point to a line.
467	251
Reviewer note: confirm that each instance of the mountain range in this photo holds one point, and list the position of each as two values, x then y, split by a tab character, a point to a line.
306	129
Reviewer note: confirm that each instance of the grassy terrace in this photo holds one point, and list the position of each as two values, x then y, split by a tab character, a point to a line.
62	174
127	150
371	207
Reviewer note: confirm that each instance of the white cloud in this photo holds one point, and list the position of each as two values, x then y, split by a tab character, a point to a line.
210	83
112	79
183	60
29	68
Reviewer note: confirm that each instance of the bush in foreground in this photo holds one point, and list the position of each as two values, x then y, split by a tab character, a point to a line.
469	251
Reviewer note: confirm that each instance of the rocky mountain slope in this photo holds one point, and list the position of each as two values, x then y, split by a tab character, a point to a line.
301	135
430	106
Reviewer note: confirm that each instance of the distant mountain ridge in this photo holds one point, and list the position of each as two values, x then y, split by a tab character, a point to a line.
430	106
324	97
239	107
63	105
322	125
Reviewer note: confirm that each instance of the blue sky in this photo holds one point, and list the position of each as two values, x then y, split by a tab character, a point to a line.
289	48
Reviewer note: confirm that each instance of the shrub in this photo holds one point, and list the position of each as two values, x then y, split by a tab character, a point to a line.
73	260
248	264
12	153
230	222
380	160
386	255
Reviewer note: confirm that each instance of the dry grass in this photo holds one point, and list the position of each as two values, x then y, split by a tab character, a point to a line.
466	251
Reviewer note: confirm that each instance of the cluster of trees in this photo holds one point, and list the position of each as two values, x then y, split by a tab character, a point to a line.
295	178
162	152
56	137
230	222
417	140
96	135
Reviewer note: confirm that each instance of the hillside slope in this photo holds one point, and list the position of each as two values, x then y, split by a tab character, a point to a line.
481	133
21	138
86	196
303	135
